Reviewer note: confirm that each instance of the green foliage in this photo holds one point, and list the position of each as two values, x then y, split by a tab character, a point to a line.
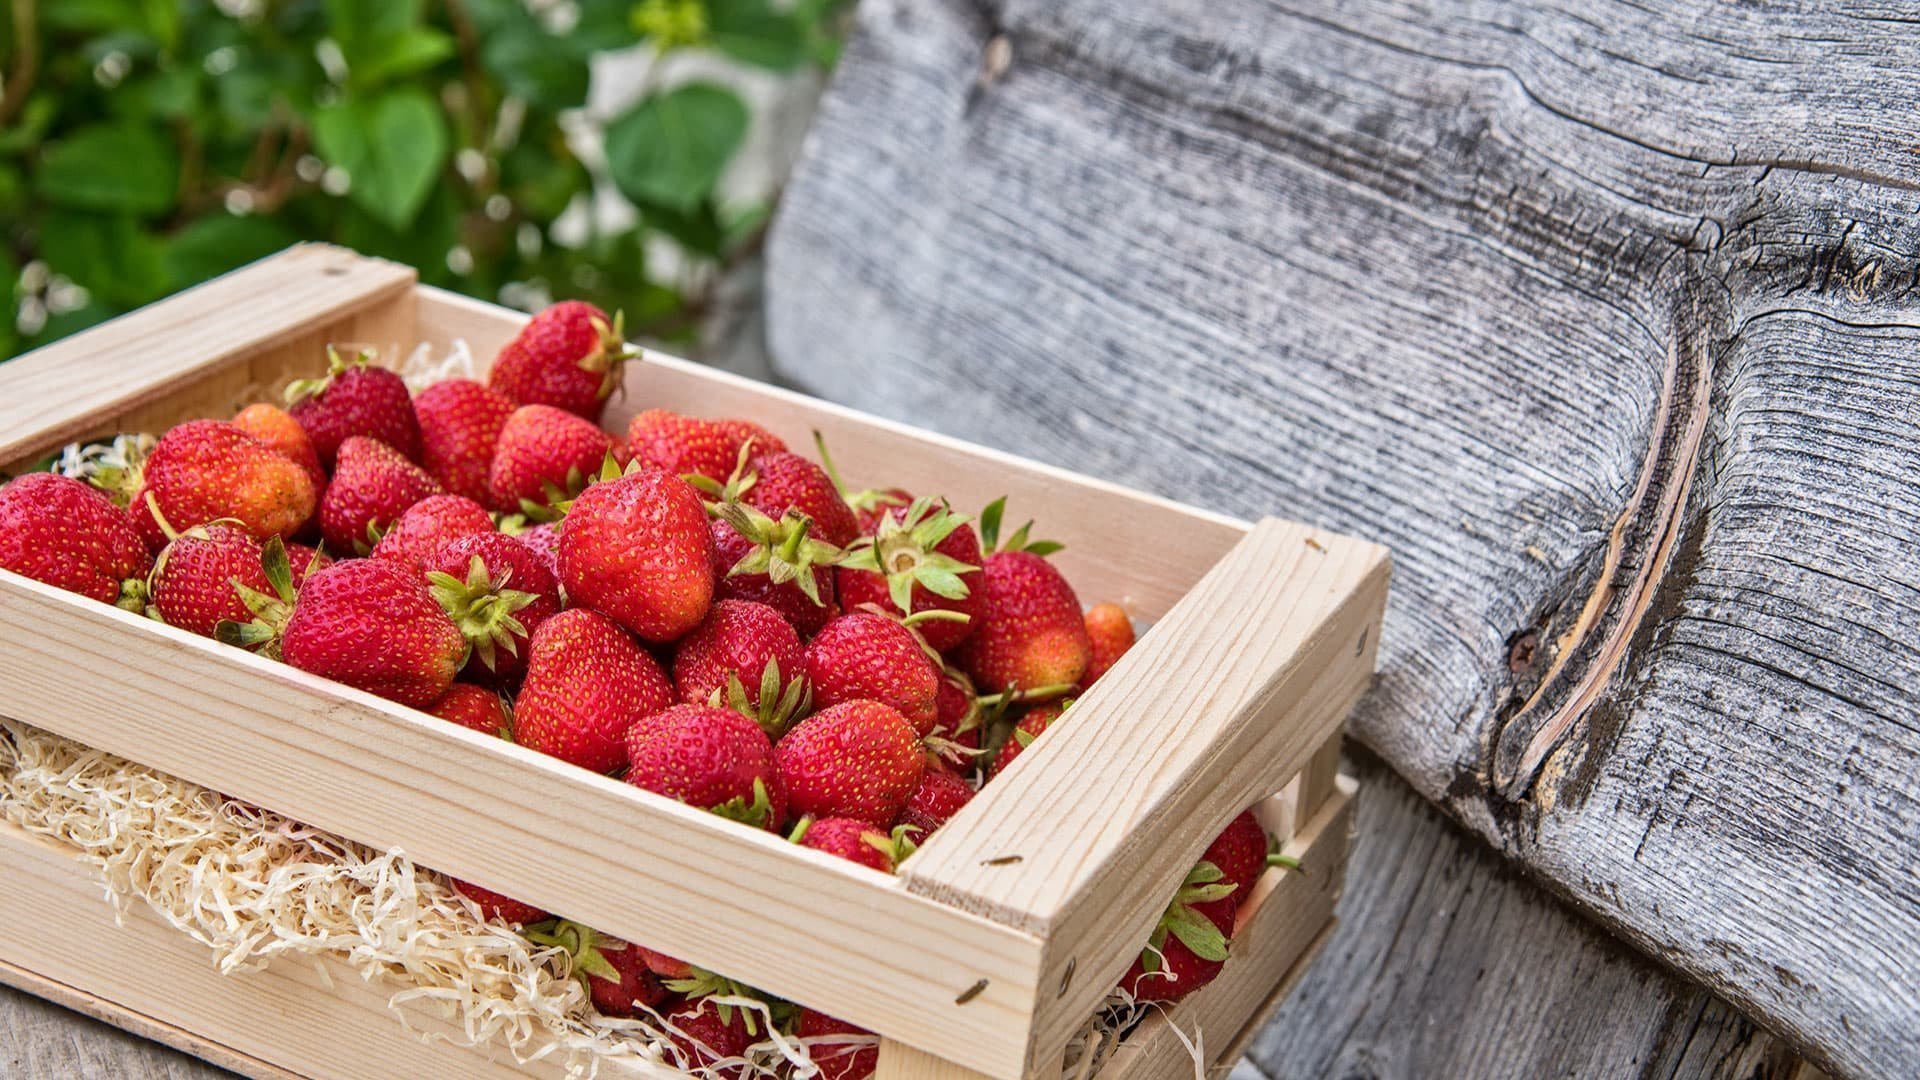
146	145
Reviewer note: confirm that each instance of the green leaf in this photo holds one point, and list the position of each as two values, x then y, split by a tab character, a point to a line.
130	168
670	150
30	126
108	255
392	149
214	245
401	53
545	70
755	32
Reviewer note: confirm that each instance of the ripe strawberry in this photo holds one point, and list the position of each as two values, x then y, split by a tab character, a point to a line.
739	644
959	720
1239	852
206	470
776	564
862	656
1036	720
373	484
545	456
855	841
1189	946
938	796
1109	633
569	356
613	971
684	445
1031	633
304	561
57	530
587	683
543	539
355	398
704	1033
665	966
475	708
372	624
714	759
858	759
431	524
838	1049
920	558
199	578
280	431
780	482
114	468
637	549
495	907
499	593
460	424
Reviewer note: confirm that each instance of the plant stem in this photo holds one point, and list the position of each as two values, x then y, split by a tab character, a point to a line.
26	47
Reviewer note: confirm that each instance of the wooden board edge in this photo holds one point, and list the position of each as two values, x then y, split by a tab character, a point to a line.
1237	1049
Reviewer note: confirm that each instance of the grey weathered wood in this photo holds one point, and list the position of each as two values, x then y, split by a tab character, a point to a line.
1602	315
39	1039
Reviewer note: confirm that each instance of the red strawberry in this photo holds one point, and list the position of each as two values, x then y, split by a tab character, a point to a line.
587	683
920	558
637	549
543	539
545	456
859	759
775	563
1036	720
665	966
614	972
838	1049
1109	633
475	708
373	484
198	580
498	592
431	524
569	356
938	796
704	1033
57	530
684	445
1189	946
1239	852
862	656
304	561
355	398
786	481
743	645
1030	633
460	424
714	759
493	906
281	432
868	505
855	841
206	470
372	624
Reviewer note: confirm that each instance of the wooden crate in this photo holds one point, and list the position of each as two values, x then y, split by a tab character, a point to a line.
1039	892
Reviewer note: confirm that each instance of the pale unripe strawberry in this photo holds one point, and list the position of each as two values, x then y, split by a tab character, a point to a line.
207	470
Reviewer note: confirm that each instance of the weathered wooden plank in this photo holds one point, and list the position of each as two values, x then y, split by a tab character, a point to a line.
1602	317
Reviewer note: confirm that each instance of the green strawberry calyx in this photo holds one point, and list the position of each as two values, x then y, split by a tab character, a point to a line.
484	609
896	846
724	992
270	612
861	501
783	550
757	813
115	468
902	549
609	353
337	364
1191	928
990	533
586	949
776	705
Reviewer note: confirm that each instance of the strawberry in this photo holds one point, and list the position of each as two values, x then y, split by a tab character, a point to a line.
705	1033
283	434
1240	852
1109	633
545	456
586	684
57	530
858	759
431	524
613	971
638	550
114	468
543	539
710	758
475	708
304	561
665	966
920	558
862	656
687	445
373	625
1030	633
776	483
776	564
743	645
495	907
959	719
568	356
855	841
869	505
206	470
373	485
203	577
838	1049
1189	945
498	592
938	796
460	424
1036	721
355	398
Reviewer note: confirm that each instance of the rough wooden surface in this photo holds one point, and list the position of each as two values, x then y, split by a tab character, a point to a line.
1601	316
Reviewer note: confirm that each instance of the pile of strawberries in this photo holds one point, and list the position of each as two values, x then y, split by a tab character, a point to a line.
690	605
